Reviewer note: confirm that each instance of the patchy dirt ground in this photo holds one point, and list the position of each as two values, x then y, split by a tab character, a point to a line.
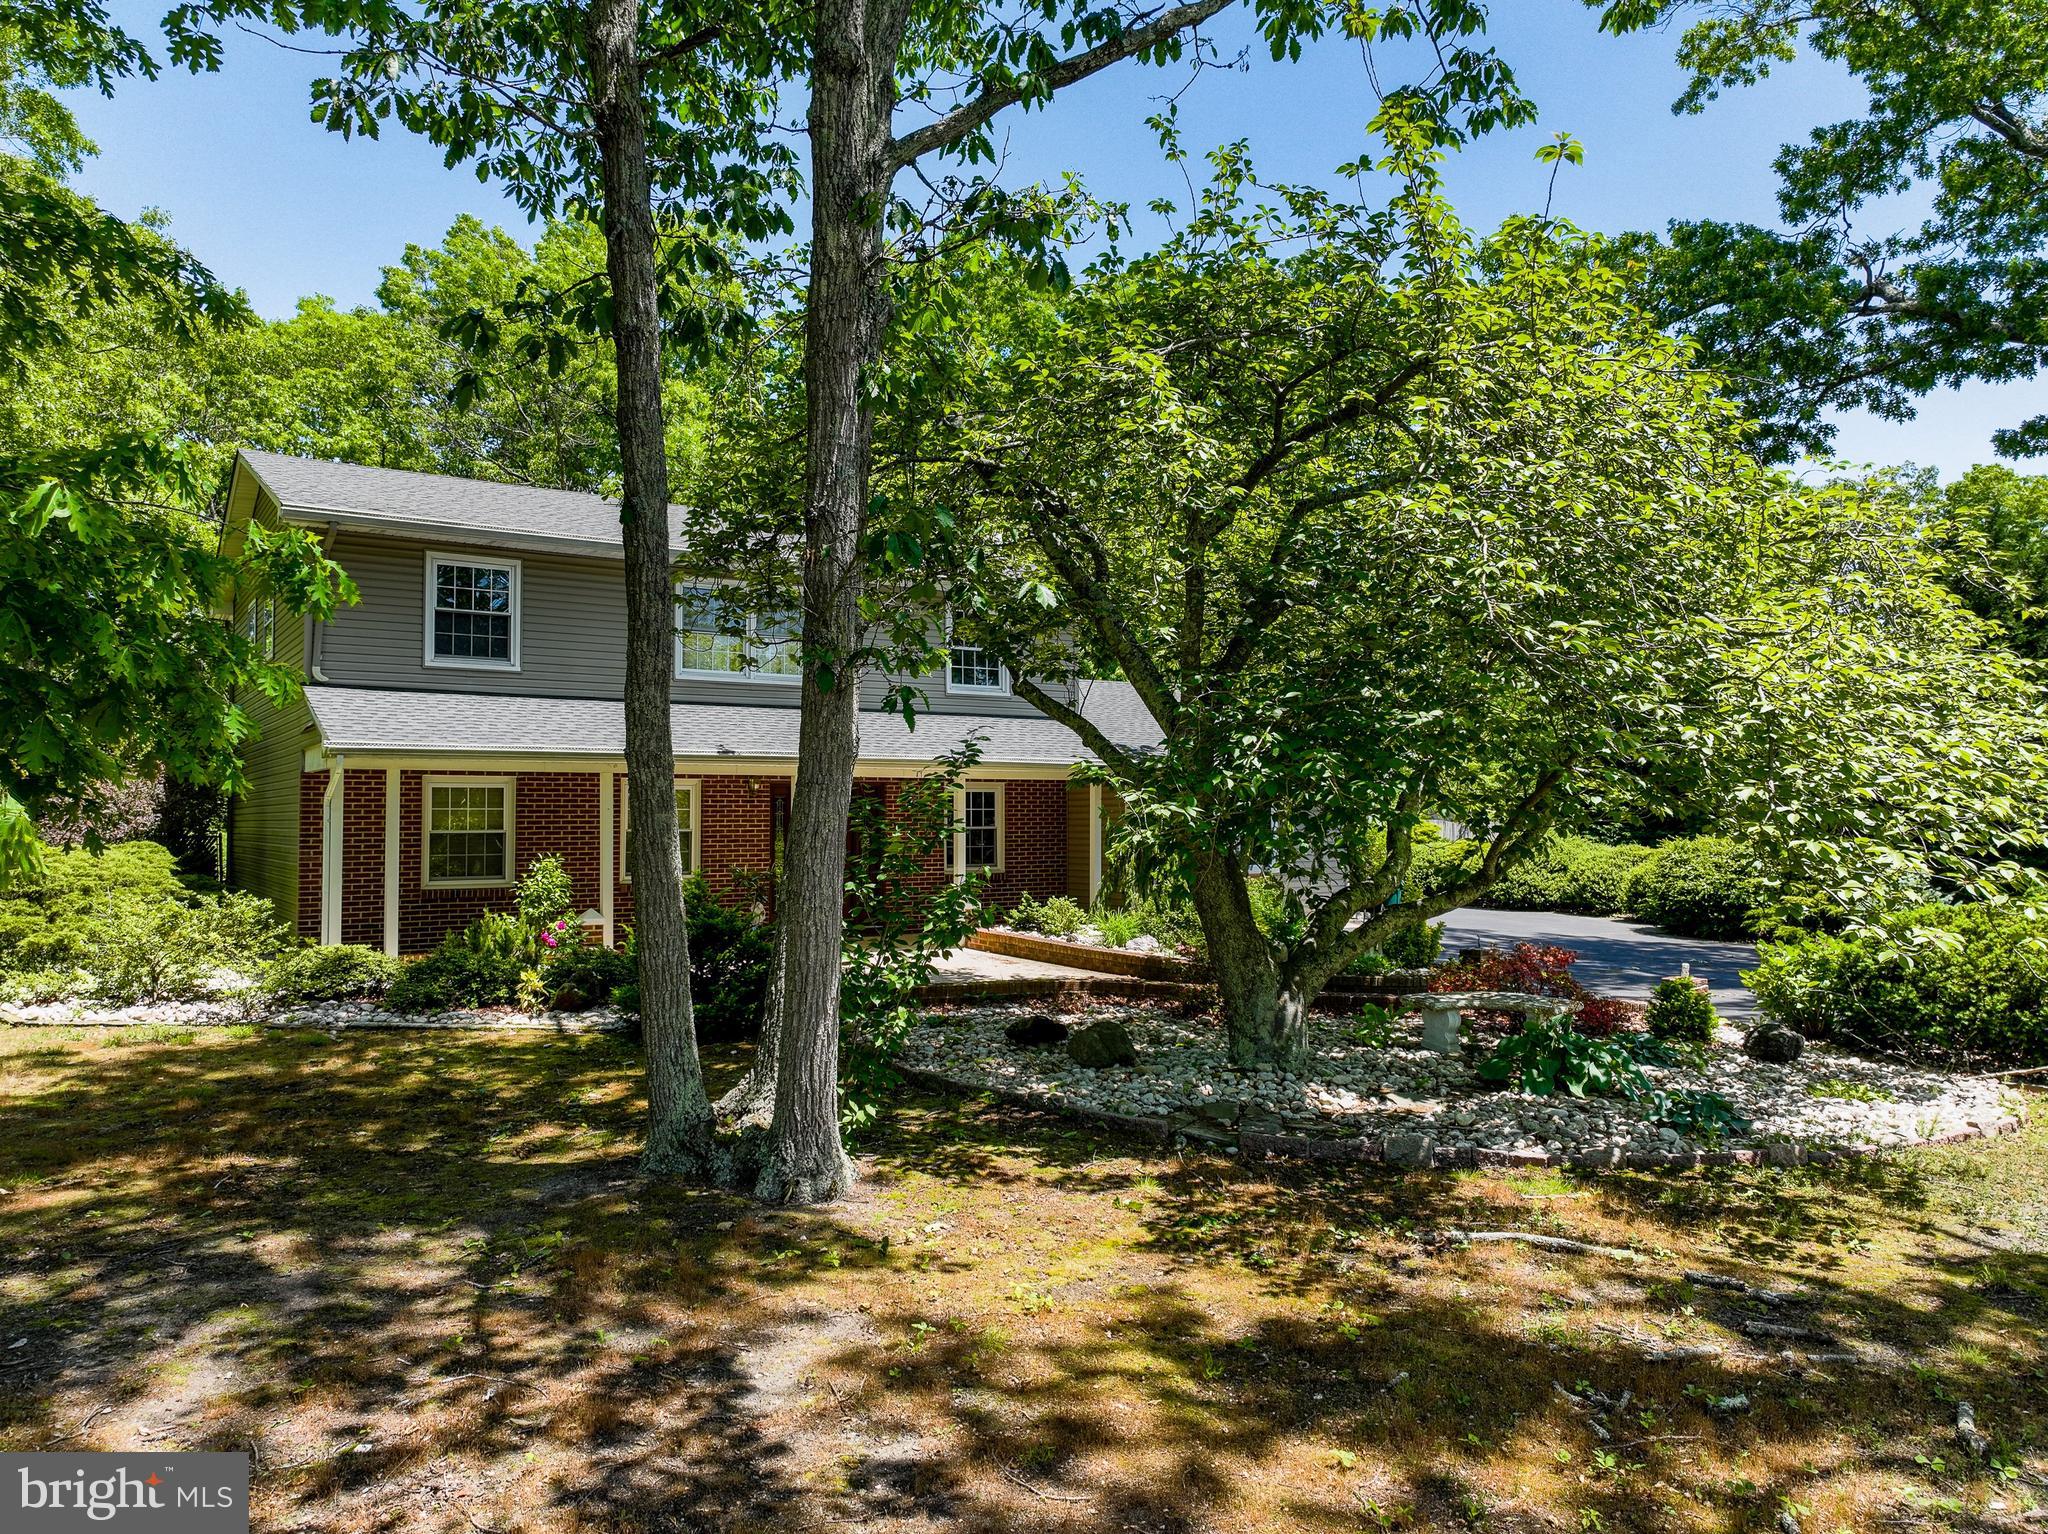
417	1276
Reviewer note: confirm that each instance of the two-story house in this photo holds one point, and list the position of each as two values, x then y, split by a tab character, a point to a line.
465	718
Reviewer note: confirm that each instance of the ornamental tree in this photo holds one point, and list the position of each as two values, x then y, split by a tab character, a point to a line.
1385	522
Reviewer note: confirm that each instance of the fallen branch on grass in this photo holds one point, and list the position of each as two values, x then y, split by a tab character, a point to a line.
1533	1238
1736	1286
1048	1496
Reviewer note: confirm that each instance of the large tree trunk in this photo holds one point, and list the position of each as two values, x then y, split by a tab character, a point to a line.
1264	1018
852	101
679	1124
751	1103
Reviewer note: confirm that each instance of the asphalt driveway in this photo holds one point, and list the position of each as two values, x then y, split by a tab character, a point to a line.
1616	958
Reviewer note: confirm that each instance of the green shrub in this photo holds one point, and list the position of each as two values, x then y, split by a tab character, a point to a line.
1681	1009
1962	983
586	975
1700	886
731	955
55	919
328	973
1571	874
1057	917
546	893
456	975
35	987
1415	947
159	950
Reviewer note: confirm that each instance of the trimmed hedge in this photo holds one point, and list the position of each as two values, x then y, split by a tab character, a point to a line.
1573	874
1699	886
1947	983
338	972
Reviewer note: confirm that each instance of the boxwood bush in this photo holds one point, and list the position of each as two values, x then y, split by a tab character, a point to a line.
1573	874
1940	983
323	972
1698	886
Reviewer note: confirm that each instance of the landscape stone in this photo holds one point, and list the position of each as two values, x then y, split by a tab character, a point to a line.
1103	1044
1035	1030
1774	1044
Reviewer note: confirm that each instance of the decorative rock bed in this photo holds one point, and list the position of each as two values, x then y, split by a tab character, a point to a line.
1407	1105
331	1015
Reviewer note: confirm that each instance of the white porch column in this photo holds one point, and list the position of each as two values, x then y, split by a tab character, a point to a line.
393	788
607	850
1094	842
331	828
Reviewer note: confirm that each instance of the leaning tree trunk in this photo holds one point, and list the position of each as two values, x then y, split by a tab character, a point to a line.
852	101
751	1102
679	1123
1265	1018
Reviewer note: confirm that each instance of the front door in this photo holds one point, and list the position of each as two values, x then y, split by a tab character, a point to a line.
778	830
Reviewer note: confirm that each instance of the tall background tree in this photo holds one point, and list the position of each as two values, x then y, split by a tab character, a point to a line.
1840	307
114	666
647	123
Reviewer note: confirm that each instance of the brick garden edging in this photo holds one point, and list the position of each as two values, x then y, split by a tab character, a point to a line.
1418	1153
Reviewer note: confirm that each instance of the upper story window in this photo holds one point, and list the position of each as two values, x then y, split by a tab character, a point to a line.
971	667
712	640
472	611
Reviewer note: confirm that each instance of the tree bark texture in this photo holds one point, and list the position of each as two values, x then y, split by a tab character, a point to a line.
852	105
679	1121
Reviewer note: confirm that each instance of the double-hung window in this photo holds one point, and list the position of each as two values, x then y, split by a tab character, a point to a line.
686	829
971	667
714	640
472	612
468	840
977	839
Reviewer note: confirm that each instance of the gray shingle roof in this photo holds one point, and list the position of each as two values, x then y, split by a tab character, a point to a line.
364	719
470	509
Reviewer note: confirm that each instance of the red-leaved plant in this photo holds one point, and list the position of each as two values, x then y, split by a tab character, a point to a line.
1539	969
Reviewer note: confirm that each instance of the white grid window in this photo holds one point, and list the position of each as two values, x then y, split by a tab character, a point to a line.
468	833
711	640
971	667
978	843
686	829
472	612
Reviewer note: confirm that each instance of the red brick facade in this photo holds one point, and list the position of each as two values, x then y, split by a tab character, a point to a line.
558	812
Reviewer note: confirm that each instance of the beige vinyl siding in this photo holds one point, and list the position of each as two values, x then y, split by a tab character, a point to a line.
572	644
263	821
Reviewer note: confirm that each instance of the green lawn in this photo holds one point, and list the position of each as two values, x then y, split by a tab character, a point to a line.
418	1275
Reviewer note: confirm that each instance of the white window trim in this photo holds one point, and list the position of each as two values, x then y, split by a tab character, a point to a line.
466	662
960	868
749	641
694	787
1000	690
427	787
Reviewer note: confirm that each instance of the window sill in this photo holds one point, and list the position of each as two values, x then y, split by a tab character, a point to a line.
449	663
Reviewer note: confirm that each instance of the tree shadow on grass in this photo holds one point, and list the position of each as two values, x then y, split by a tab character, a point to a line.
421	1277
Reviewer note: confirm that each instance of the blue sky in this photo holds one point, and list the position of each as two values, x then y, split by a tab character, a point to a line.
277	205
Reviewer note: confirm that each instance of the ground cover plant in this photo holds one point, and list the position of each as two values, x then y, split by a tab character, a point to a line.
420	1277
